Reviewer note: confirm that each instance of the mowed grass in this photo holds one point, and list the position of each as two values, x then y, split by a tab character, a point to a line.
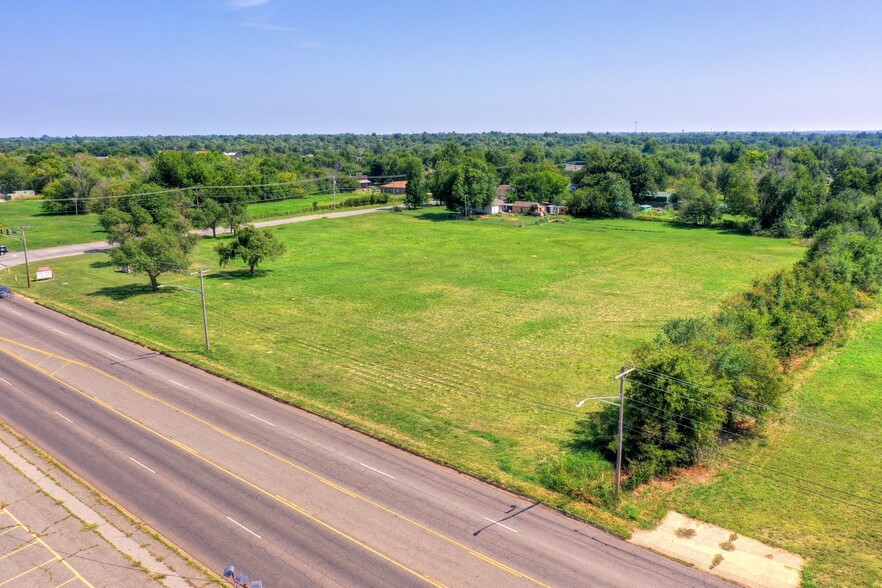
47	230
52	230
814	489
302	206
470	342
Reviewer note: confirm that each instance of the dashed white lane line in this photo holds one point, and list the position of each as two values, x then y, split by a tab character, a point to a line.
15	312
261	420
5	382
60	332
376	470
179	384
142	465
62	416
244	527
500	524
116	356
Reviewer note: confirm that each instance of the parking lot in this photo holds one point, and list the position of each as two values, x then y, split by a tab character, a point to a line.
27	560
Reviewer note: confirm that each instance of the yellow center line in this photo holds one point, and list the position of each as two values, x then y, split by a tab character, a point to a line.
233	475
52	551
65	583
275	456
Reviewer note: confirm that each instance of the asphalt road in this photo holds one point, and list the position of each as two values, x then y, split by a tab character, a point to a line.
234	477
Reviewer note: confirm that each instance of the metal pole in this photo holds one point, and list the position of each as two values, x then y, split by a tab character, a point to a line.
621	378
204	310
334	182
24	244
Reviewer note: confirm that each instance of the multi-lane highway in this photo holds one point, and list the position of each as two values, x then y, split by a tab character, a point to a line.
234	477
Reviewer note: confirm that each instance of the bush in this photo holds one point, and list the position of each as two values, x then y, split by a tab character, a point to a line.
583	475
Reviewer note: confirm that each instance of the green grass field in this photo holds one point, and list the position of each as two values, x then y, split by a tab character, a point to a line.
470	342
50	230
47	230
300	206
786	500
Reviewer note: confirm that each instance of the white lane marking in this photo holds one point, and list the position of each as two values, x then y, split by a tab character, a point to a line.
261	420
179	384
61	332
376	470
5	382
141	464
500	524
62	416
116	356
244	527
15	312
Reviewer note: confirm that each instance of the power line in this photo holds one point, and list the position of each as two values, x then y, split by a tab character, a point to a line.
769	406
733	411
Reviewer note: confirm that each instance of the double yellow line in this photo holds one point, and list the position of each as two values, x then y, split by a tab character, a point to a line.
263	450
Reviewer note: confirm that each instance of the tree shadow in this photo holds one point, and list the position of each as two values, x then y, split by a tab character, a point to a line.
127	291
238	274
438	216
103	264
594	431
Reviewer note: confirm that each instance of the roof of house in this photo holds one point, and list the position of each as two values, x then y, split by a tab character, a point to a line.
573	167
497	202
502	189
523	203
396	184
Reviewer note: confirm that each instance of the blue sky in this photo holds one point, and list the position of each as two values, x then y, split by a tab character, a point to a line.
123	67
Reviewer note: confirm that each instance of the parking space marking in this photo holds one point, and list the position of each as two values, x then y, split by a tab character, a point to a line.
17	549
37	539
23	574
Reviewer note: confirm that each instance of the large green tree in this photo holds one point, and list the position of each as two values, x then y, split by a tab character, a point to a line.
155	251
543	185
469	184
252	246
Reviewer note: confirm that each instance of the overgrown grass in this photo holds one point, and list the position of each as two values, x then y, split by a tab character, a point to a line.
787	499
470	342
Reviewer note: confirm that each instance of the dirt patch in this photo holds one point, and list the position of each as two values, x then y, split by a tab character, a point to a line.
722	552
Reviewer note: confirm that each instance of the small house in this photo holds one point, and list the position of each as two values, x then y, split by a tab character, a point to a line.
495	207
555	209
394	188
524	207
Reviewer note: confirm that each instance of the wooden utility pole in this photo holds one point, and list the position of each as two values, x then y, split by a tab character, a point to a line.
24	246
204	309
621	378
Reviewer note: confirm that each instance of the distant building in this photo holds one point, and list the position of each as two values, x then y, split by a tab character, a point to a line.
21	194
495	207
573	167
525	207
232	154
555	209
662	199
502	191
394	188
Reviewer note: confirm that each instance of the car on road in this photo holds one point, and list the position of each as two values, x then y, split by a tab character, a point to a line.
3	250
5	292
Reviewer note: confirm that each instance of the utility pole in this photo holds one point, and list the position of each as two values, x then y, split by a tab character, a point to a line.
337	168
204	309
621	378
24	245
